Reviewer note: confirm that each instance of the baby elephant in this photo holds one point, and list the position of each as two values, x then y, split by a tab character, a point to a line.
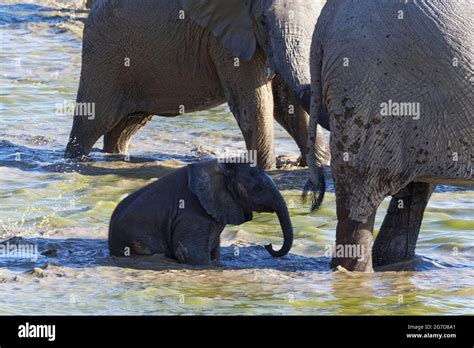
183	214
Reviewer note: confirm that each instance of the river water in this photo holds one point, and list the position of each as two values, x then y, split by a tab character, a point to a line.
63	210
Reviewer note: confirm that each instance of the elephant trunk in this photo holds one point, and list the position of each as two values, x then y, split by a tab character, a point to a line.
286	227
290	41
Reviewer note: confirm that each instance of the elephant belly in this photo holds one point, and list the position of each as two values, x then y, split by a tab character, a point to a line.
179	96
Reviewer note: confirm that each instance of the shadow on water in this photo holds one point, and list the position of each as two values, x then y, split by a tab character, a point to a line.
84	253
51	160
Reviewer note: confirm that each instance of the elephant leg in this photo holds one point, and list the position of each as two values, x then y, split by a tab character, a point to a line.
145	245
190	242
396	240
250	98
356	206
216	253
353	247
191	254
255	120
88	128
216	250
291	116
118	139
83	136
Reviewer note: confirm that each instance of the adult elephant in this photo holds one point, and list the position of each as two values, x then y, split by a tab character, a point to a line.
396	79
160	57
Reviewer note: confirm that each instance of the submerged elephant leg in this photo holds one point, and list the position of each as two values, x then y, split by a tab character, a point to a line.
249	95
216	248
192	250
118	139
396	240
353	247
91	121
99	108
356	206
216	253
83	136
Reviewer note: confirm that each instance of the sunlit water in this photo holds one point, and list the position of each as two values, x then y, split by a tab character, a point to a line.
64	208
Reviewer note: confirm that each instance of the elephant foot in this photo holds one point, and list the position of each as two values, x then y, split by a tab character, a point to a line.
287	161
266	163
118	139
353	248
403	266
396	240
302	162
76	150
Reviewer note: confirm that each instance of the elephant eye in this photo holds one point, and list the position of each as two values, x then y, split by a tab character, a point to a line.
263	21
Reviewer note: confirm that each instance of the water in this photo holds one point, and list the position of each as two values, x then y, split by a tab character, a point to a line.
64	209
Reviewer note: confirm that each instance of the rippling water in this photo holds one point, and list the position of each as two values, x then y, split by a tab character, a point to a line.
63	208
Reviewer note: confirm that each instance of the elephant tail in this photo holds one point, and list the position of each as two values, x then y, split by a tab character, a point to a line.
316	184
316	191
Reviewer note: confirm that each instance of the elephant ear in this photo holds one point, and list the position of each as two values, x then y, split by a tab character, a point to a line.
208	182
230	22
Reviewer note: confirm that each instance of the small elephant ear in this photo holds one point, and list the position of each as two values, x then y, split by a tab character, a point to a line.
229	20
208	183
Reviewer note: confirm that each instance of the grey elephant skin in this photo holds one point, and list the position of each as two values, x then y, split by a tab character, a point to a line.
396	79
160	57
183	214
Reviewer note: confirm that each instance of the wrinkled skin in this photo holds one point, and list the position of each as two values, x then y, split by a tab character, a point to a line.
179	66
183	214
374	155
